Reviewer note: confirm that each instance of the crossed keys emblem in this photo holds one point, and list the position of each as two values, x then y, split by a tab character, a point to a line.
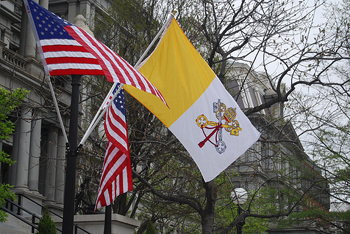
226	120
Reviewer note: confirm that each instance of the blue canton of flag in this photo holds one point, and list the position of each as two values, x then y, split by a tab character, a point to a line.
47	24
61	53
118	100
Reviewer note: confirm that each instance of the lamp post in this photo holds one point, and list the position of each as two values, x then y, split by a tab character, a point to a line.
239	196
69	190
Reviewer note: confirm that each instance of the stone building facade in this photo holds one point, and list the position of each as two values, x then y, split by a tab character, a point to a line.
37	145
278	159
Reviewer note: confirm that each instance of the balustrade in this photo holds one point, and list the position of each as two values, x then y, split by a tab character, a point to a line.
14	58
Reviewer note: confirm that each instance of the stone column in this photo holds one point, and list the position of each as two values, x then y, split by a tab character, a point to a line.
23	149
23	34
30	43
44	3
14	153
50	182
91	21
72	10
27	46
60	171
85	9
34	156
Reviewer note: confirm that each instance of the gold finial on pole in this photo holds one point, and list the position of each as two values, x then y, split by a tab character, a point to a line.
174	12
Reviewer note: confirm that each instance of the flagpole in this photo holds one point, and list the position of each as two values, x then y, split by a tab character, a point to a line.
98	116
171	17
57	109
108	220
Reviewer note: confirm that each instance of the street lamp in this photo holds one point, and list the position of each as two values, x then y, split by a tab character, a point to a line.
239	196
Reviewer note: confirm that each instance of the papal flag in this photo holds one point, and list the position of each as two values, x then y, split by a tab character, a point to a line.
201	114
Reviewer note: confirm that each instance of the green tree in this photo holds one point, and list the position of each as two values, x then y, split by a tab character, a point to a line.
150	228
46	225
9	101
268	34
323	122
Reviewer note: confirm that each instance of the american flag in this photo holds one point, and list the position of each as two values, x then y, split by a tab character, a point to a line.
68	50
116	175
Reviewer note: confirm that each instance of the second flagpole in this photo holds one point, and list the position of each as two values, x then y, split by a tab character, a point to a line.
102	108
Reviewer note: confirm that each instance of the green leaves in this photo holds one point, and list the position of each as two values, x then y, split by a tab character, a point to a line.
5	193
9	101
46	225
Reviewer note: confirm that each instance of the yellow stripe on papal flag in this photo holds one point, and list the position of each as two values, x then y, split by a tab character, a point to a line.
169	70
201	114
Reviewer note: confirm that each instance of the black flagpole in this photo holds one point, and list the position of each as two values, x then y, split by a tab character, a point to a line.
108	220
72	152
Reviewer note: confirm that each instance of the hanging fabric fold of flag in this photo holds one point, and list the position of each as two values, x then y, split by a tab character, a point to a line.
201	114
116	176
66	49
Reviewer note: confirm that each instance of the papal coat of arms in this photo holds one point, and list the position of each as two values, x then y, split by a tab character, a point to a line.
212	131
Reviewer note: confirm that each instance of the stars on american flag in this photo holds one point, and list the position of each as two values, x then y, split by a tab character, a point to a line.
119	100
47	26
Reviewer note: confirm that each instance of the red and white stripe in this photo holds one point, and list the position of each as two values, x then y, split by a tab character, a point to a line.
116	176
116	128
87	56
65	57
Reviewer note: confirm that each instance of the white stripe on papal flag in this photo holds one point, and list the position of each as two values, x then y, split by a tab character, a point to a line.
209	161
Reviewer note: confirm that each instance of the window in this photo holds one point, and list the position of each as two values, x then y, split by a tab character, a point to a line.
2	34
266	154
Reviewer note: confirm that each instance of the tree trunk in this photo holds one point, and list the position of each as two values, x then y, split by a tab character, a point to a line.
208	213
207	223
